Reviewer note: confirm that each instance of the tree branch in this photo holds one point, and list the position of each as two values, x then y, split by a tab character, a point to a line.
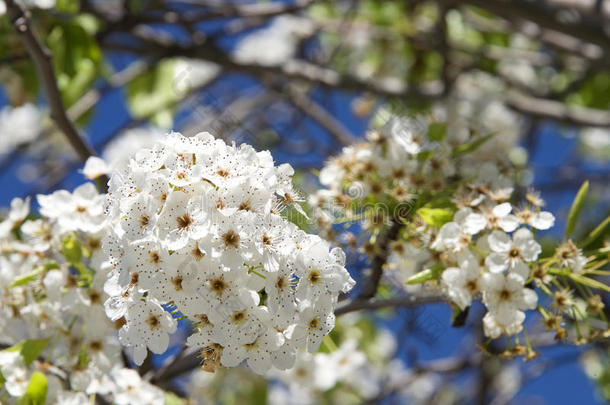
403	302
42	60
556	110
310	108
370	288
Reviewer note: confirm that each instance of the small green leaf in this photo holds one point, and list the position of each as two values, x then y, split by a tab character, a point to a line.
36	393
577	205
589	282
437	131
33	275
72	249
67	6
27	278
471	146
173	399
433	273
596	233
2	379
30	349
435	217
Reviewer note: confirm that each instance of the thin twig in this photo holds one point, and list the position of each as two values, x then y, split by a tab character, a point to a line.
42	59
400	302
370	288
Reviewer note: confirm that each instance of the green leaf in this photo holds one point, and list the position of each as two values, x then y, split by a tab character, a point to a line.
589	282
72	249
437	131
471	146
435	217
2	379
155	93
30	349
433	273
173	399
77	59
577	205
67	6
27	278
36	393
596	233
33	275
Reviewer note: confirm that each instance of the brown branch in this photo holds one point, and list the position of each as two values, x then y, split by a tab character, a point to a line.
379	260
587	27
42	60
570	114
310	108
402	302
293	69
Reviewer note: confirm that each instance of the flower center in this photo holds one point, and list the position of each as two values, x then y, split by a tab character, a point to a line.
218	285
177	282
239	317
144	221
184	221
231	239
153	322
314	276
505	295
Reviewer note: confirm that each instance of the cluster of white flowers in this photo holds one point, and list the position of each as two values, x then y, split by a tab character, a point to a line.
482	242
359	365
52	272
196	225
191	225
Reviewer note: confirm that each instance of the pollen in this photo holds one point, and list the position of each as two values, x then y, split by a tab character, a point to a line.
231	239
184	221
153	322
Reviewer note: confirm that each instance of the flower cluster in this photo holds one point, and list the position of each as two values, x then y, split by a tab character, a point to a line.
448	201
196	226
59	344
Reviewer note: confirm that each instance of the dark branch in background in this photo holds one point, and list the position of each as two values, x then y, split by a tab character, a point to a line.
589	27
310	108
571	114
400	302
301	70
379	260
42	59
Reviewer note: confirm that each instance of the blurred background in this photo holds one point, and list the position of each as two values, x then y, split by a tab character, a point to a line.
303	78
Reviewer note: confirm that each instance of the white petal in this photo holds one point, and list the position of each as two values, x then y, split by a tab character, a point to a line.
501	210
543	220
530	299
497	262
499	241
139	354
474	223
508	223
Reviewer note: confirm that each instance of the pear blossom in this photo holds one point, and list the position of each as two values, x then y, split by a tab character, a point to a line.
462	283
196	224
512	254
